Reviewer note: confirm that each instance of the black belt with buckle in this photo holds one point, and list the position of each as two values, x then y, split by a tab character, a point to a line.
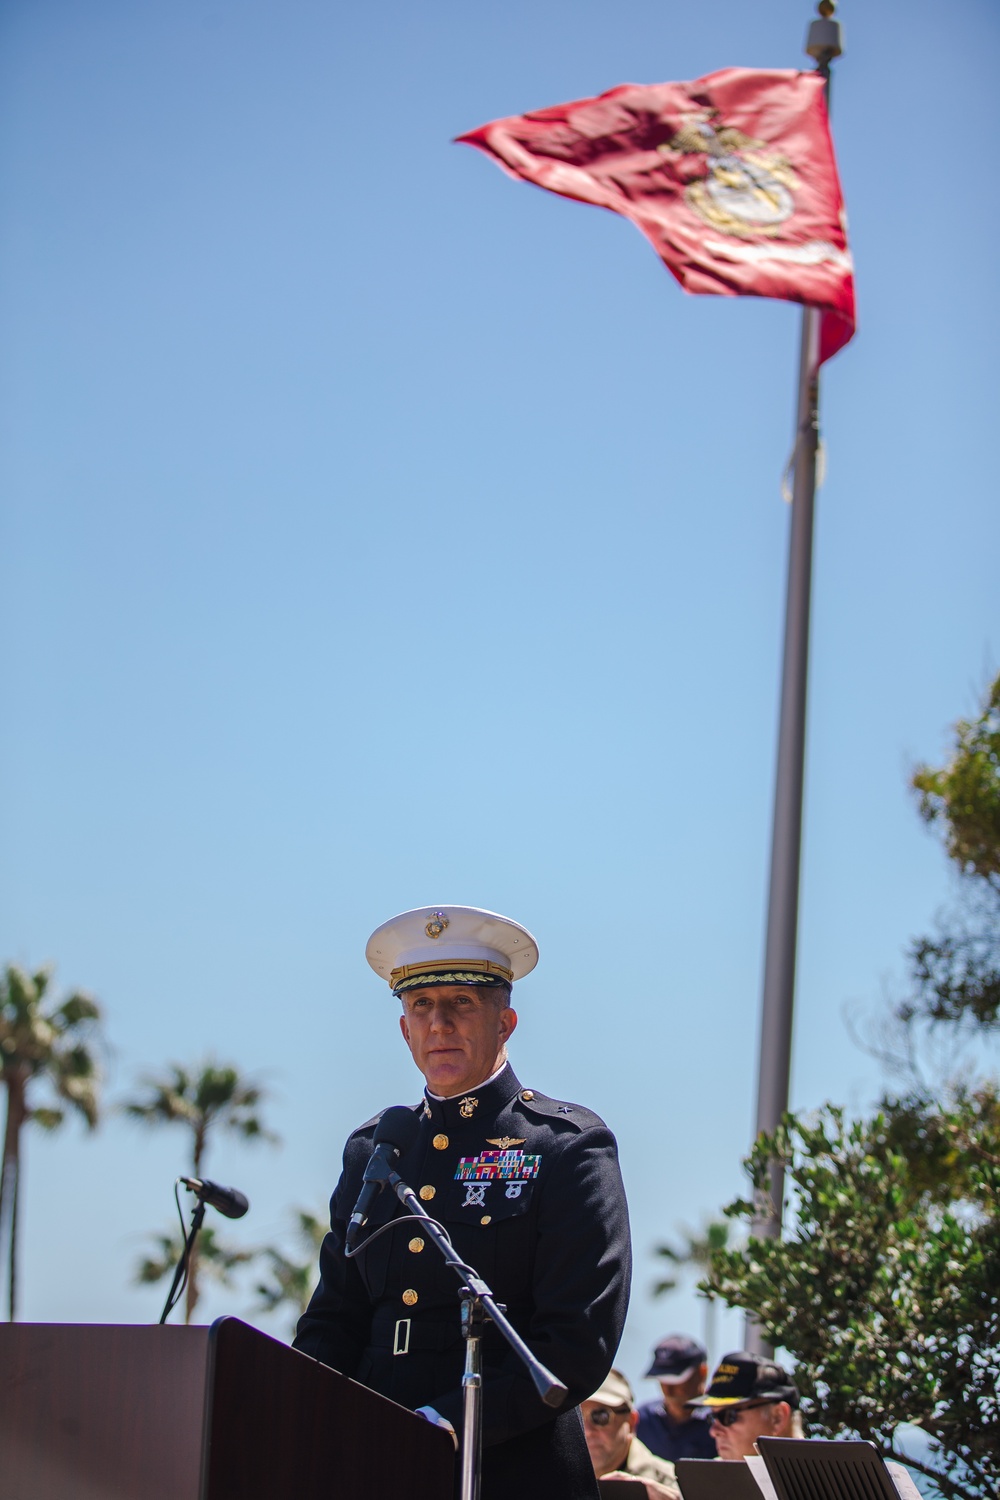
408	1335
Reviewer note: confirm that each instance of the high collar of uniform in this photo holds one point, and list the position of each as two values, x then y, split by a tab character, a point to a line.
482	1103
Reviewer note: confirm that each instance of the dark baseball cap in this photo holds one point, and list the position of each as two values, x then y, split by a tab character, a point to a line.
675	1357
742	1377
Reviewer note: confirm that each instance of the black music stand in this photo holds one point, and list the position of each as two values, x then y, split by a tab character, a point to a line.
716	1479
818	1469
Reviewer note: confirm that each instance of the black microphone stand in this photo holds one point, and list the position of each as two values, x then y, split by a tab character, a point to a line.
478	1308
180	1275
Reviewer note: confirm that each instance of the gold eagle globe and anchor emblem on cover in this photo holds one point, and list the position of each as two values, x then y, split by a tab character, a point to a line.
747	187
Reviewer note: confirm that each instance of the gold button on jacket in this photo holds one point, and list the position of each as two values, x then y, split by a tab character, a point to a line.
551	1241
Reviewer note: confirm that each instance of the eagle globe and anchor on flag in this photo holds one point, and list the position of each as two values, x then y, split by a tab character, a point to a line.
744	153
747	190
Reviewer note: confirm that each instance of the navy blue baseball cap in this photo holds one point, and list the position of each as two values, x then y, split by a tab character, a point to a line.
675	1357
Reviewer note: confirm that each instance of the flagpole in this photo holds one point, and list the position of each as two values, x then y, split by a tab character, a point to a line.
824	43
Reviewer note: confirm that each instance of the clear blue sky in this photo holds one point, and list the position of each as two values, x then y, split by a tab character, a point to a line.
379	531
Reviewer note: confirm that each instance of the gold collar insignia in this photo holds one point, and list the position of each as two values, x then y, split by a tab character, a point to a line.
468	1106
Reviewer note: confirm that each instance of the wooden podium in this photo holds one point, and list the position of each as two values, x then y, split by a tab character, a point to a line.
220	1413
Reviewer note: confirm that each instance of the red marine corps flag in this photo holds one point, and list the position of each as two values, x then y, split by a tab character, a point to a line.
732	179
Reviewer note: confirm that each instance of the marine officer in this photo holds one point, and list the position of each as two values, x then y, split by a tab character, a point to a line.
528	1188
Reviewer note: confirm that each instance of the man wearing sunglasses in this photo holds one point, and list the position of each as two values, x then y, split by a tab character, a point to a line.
750	1397
609	1423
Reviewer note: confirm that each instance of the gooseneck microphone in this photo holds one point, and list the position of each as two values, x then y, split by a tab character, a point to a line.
395	1133
229	1201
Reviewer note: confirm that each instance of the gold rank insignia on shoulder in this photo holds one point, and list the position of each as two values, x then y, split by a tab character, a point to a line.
505	1141
467	1107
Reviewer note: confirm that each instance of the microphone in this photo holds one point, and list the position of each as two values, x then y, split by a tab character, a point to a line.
395	1133
228	1201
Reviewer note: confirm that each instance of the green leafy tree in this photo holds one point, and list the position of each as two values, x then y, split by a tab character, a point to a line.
956	972
964	795
207	1100
290	1279
49	1044
885	1287
886	1290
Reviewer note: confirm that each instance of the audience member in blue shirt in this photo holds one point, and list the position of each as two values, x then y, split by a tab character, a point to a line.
667	1427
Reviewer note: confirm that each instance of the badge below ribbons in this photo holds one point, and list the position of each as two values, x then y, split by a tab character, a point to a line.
510	1166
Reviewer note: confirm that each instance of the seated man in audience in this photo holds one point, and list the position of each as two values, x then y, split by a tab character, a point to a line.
750	1397
668	1427
609	1423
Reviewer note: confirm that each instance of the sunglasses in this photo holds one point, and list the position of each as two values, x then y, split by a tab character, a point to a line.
726	1416
601	1415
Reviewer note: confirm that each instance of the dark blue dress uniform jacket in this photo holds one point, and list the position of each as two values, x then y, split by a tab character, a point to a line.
550	1237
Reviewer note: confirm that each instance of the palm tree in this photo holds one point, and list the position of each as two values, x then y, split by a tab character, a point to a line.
697	1251
216	1259
209	1098
40	1042
292	1280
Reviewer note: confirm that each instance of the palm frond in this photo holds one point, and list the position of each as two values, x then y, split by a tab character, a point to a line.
206	1098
